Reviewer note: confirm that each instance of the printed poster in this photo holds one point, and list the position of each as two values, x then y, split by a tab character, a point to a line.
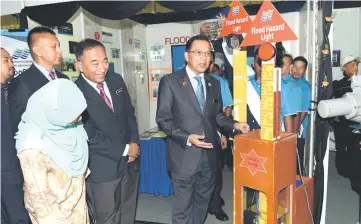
15	43
155	75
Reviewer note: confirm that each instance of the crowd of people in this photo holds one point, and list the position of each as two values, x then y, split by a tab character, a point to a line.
70	150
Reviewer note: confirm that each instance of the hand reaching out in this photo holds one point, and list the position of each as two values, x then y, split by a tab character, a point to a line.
243	127
197	140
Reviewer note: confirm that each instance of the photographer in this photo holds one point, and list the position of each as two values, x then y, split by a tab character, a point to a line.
348	161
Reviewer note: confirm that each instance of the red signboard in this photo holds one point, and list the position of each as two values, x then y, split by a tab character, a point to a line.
253	162
237	22
268	26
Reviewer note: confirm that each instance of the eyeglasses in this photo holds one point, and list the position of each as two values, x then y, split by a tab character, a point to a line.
201	53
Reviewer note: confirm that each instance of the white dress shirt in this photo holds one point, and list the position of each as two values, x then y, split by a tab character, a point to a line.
107	93
45	72
194	82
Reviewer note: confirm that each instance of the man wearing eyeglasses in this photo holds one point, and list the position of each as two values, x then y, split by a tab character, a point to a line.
189	111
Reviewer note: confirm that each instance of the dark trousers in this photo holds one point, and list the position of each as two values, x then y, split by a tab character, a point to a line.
114	202
344	149
192	194
301	153
216	196
228	154
12	200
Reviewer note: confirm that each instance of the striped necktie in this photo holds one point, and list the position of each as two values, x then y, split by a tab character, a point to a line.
200	92
52	75
4	89
104	96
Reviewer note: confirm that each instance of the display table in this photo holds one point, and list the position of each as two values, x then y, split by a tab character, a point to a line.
153	178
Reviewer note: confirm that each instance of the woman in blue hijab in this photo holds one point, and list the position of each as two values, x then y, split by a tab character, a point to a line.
53	151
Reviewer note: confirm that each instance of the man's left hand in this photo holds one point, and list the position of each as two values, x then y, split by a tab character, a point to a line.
131	159
224	142
243	127
133	150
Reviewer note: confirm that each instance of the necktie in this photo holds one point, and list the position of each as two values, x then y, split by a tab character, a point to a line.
200	92
5	92
52	75
104	96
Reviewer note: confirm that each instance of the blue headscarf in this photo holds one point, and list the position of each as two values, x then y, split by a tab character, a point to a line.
47	124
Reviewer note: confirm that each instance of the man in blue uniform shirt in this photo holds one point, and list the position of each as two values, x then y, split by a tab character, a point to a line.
217	201
291	96
254	95
298	71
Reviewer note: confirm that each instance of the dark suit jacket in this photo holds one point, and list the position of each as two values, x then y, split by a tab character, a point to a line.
179	115
9	160
108	131
340	88
22	88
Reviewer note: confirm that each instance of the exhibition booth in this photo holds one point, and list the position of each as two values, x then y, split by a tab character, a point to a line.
145	40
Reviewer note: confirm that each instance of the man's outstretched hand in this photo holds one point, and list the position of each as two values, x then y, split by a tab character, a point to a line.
197	140
243	127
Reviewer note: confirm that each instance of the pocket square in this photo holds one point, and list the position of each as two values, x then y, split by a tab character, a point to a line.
118	91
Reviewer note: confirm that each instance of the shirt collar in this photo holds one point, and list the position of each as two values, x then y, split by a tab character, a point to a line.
191	74
93	84
43	70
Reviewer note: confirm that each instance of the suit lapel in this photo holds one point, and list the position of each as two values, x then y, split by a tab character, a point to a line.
113	93
93	94
187	90
39	78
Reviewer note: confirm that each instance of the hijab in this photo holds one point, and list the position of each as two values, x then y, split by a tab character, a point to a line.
48	124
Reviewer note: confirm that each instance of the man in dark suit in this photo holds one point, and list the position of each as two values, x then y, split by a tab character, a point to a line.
45	50
12	195
189	111
113	137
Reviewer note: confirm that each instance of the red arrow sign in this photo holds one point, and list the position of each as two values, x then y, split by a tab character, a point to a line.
268	26
237	22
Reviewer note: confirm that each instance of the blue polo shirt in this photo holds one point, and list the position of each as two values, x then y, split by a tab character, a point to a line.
304	102
250	118
225	91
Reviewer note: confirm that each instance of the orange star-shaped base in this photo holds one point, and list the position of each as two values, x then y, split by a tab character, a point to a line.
253	162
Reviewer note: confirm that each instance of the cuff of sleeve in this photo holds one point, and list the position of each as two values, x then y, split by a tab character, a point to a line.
188	143
126	150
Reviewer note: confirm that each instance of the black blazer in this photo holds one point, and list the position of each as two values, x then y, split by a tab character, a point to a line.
108	131
179	115
22	88
9	160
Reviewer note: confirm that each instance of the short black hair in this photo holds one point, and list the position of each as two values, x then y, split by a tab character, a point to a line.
84	45
301	58
197	37
289	57
37	30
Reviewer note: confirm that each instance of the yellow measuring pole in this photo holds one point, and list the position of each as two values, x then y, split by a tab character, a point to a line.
240	84
239	100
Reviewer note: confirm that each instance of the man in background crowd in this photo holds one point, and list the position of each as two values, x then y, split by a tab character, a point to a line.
217	201
298	71
343	132
45	50
291	96
111	125
12	195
